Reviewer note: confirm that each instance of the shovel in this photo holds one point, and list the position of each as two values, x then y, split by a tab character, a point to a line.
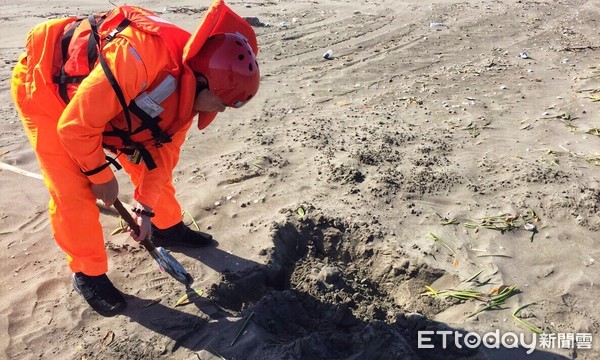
165	261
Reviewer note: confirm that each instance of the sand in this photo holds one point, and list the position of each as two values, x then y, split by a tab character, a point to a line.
326	192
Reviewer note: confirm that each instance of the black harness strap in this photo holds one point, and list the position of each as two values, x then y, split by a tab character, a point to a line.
63	79
124	135
150	123
94	47
94	53
131	148
95	42
110	161
146	157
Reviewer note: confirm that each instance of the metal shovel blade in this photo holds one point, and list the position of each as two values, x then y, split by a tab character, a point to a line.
171	266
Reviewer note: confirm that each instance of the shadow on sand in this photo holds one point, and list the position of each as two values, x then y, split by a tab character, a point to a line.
296	314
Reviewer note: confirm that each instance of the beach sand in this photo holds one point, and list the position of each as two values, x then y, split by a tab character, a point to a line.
419	154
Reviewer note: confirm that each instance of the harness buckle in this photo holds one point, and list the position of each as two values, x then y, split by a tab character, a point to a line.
135	157
112	35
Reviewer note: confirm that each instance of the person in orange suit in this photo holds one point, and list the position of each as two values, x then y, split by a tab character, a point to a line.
129	82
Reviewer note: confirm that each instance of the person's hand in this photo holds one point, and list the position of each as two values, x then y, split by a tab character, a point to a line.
206	101
106	192
143	221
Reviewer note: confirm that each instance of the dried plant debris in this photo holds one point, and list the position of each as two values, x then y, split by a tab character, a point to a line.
474	278
493	299
494	255
508	222
594	160
193	221
594	97
439	240
121	229
187	298
300	211
565	118
528	325
447	220
241	330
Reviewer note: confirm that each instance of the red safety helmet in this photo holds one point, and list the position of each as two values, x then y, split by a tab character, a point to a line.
230	67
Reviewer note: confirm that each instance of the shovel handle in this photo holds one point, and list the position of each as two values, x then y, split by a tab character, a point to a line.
132	224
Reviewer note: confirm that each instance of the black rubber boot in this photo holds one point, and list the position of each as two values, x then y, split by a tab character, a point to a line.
180	235
100	293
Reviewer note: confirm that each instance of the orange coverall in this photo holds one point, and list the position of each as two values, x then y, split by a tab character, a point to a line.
68	139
